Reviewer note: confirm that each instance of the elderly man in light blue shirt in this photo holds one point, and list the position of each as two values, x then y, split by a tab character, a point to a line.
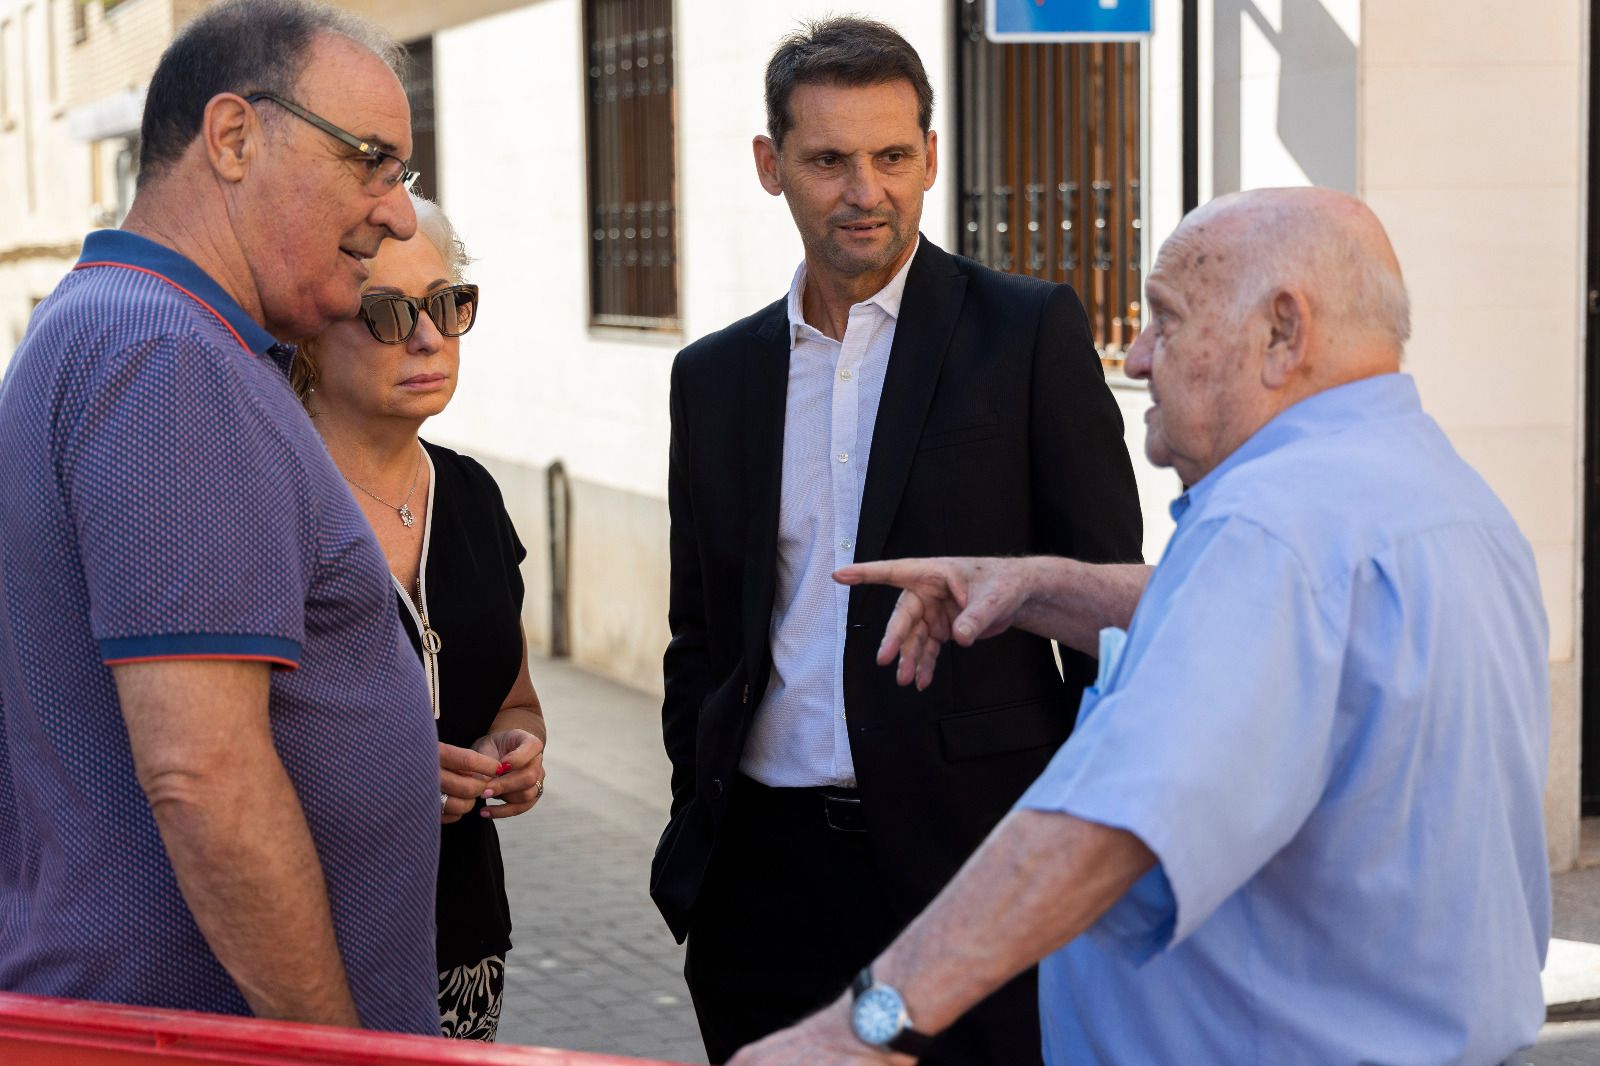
1300	818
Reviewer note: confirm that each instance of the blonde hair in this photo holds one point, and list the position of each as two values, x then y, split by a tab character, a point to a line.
432	224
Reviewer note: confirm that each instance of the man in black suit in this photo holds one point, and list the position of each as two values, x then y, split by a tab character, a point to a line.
900	402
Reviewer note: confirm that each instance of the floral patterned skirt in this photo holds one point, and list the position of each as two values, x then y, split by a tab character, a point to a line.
469	999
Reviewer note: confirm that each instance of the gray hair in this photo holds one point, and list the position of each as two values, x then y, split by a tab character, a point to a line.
844	50
435	225
240	46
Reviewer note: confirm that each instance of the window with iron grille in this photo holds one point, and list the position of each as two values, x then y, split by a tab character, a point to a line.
633	233
418	82
1049	143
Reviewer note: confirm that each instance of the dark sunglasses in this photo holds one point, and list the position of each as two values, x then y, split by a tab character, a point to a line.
392	319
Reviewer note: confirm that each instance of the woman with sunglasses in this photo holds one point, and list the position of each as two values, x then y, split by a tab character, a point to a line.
369	384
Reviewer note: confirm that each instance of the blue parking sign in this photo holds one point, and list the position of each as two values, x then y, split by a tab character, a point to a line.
1068	20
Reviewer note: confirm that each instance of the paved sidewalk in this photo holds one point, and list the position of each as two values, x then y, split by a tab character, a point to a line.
1577	903
594	968
1577	930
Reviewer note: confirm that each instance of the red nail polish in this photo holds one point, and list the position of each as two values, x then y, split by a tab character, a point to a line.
503	768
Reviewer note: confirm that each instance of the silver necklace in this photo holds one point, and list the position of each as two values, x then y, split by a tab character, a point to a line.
407	519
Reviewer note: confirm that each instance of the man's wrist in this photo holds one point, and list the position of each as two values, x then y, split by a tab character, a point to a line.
880	1018
1033	573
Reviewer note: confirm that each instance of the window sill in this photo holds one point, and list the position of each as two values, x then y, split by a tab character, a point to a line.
1117	379
658	335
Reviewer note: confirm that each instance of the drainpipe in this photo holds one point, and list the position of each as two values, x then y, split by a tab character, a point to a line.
559	497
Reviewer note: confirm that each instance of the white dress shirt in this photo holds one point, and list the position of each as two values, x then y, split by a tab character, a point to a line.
798	737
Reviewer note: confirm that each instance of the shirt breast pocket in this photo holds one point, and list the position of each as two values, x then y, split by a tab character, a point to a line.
1113	642
1086	705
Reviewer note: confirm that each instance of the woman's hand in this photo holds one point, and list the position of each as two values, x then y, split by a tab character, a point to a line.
464	776
519	759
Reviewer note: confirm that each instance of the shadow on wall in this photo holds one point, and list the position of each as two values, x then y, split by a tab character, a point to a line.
1316	94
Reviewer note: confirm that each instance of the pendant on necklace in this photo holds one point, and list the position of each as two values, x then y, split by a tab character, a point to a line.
406	517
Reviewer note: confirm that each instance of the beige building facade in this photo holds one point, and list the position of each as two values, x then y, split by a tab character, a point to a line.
44	173
1464	123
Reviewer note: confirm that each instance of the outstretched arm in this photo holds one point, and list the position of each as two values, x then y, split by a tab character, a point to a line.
967	599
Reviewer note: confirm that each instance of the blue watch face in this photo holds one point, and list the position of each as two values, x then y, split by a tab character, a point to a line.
878	1015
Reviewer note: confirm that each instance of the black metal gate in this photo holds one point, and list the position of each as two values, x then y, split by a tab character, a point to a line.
1049	143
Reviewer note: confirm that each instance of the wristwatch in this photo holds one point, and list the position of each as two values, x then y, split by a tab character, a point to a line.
878	1016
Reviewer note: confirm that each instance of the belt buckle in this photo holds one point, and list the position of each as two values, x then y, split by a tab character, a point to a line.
844	813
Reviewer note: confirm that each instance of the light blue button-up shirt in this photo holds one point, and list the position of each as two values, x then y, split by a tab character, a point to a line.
1329	722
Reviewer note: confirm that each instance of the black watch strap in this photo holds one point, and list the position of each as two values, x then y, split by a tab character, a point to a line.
911	1042
907	1041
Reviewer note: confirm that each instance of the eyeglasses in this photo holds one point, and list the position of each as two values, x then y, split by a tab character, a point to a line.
392	319
384	171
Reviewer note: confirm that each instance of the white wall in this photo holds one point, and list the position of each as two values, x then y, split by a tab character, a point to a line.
1163	119
535	385
540	384
44	173
1283	97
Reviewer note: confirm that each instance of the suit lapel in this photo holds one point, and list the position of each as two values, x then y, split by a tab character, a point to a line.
766	387
928	312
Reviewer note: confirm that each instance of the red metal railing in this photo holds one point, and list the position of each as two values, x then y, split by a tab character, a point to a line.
41	1031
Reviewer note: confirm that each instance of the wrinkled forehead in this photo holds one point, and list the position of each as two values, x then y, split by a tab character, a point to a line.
353	88
1198	258
824	108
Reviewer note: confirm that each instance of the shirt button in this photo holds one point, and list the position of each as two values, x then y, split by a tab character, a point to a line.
845	545
844	457
845	374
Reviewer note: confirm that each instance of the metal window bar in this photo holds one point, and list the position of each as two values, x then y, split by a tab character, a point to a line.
633	266
419	87
1050	168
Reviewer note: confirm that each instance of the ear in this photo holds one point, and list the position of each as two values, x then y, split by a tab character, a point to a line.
933	161
766	153
230	133
1289	319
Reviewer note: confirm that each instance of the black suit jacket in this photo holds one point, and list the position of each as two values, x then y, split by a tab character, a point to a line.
996	435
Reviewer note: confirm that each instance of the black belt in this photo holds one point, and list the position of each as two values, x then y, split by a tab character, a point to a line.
840	808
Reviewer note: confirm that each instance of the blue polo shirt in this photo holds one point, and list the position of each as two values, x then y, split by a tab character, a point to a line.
1330	722
165	497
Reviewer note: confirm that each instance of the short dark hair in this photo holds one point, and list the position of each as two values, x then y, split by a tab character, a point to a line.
844	50
239	46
